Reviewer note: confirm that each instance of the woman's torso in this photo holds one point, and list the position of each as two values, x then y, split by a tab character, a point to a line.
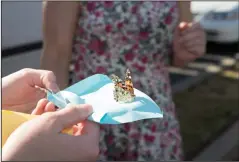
115	35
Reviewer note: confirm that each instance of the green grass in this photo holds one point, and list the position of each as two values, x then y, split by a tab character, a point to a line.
205	109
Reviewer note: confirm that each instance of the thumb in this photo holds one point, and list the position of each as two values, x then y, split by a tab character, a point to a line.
71	115
180	29
48	80
183	25
41	78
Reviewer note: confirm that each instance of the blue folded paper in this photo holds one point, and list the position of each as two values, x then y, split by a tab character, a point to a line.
97	90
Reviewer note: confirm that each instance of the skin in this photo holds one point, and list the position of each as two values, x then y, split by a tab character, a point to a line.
60	21
19	93
189	43
40	139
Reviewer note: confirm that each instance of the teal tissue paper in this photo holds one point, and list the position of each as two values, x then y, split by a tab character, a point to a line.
97	90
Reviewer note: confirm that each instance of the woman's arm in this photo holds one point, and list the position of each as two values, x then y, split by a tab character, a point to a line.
185	14
59	22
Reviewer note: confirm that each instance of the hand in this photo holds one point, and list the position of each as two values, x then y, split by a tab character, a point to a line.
189	43
43	106
19	92
40	138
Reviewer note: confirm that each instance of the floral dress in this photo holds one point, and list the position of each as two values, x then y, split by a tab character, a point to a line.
114	35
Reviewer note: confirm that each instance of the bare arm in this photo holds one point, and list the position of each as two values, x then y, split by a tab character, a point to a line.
59	22
185	13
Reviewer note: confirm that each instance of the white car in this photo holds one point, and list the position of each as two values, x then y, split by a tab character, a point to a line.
219	19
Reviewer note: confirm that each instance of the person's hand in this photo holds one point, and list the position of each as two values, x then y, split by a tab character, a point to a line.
189	43
19	92
43	106
40	139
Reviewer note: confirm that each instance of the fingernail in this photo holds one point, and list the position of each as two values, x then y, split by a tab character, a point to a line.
54	87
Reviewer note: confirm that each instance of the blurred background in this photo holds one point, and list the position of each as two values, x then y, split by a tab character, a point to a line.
205	91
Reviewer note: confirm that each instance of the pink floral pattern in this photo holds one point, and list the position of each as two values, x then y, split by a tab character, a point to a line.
114	35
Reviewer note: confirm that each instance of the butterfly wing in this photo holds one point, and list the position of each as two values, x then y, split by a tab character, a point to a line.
121	95
121	92
129	83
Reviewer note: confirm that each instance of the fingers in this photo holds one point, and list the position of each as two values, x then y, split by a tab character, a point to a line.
41	78
50	107
48	80
191	44
189	27
197	50
89	128
86	139
77	130
182	26
86	128
43	106
40	107
191	31
71	115
196	47
86	134
192	37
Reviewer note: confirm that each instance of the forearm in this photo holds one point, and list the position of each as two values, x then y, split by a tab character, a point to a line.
185	13
59	22
58	63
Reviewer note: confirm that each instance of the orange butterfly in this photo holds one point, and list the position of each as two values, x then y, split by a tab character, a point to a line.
123	90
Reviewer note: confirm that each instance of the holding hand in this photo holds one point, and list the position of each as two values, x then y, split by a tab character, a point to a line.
189	43
41	138
19	92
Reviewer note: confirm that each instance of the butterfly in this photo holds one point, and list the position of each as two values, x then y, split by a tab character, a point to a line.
123	90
